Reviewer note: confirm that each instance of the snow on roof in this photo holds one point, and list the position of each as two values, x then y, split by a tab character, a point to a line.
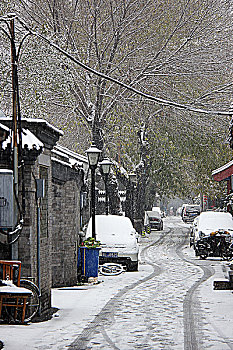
72	154
43	121
71	157
63	155
35	120
28	139
222	168
61	162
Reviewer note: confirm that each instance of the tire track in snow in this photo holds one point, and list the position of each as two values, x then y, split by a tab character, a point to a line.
106	315
190	339
190	326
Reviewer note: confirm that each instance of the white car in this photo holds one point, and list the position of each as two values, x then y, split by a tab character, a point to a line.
157	209
210	221
118	240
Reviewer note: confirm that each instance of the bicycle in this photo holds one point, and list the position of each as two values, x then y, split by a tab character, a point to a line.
33	302
111	269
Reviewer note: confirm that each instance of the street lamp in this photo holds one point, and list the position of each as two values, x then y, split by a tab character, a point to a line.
105	166
93	154
132	177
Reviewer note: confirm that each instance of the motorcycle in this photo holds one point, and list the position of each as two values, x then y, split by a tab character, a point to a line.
217	244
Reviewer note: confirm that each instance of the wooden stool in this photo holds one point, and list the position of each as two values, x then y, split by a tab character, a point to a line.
13	296
10	270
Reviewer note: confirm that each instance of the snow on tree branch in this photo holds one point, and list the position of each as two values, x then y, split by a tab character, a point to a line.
126	86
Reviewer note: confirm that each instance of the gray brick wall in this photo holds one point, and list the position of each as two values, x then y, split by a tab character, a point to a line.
65	224
60	213
28	239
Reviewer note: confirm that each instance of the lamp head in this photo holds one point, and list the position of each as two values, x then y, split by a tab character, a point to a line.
132	177
105	166
93	154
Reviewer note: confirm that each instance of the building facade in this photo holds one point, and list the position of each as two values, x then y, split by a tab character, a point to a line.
50	188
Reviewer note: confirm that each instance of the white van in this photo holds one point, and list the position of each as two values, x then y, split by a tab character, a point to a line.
157	209
118	240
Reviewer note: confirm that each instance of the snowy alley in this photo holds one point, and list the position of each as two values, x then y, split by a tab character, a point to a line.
168	304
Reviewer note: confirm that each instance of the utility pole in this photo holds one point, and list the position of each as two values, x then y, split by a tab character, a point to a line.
14	249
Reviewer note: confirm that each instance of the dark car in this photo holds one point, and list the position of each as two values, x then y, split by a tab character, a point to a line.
190	212
155	220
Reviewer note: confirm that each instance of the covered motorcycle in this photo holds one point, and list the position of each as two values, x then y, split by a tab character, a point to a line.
212	235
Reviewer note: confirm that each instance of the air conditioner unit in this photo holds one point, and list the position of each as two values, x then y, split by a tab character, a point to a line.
6	199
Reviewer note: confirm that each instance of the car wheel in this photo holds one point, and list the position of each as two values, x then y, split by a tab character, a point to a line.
133	266
203	256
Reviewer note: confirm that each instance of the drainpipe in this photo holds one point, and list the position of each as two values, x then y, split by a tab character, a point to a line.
39	195
38	249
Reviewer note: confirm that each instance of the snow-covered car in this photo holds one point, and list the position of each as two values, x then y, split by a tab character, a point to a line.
118	240
189	212
157	209
155	220
212	234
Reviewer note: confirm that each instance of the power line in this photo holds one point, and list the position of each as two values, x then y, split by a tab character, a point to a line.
113	80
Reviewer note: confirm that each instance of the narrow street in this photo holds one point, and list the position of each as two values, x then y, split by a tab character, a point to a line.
168	304
170	308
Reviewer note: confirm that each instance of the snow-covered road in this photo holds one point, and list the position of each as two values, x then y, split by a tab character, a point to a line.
168	304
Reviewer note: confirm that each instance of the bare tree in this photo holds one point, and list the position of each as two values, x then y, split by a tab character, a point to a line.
178	52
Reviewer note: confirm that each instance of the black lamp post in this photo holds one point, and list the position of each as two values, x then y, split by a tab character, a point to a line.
105	166
93	154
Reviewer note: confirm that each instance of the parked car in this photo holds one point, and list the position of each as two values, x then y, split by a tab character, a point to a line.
155	220
212	235
179	211
189	212
118	240
157	209
161	212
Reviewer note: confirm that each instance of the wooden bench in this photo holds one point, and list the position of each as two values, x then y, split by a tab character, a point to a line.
11	294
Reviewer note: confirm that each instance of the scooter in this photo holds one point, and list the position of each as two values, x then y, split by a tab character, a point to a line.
217	244
202	248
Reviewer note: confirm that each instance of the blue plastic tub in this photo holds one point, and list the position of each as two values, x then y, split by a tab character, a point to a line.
89	261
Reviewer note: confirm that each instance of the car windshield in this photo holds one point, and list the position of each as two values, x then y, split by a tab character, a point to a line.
193	209
215	221
153	214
